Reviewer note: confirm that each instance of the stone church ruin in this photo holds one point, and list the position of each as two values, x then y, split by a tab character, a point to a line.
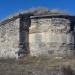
37	32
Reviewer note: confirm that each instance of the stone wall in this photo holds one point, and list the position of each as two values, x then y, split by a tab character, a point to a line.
51	37
9	39
45	35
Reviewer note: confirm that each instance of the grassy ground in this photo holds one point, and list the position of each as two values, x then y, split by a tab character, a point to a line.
32	65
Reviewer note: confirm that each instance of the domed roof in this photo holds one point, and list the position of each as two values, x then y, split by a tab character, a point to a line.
45	11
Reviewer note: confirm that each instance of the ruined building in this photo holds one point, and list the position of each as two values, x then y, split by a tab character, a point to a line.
38	32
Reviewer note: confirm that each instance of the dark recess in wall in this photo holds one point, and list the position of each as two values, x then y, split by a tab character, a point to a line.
24	35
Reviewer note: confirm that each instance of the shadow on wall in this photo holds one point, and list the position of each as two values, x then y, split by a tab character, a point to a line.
24	36
72	30
71	45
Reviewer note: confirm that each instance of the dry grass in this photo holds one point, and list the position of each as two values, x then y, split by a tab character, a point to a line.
29	64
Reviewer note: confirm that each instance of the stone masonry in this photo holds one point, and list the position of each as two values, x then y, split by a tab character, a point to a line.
38	33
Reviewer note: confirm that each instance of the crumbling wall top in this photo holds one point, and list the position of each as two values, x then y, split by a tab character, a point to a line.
36	13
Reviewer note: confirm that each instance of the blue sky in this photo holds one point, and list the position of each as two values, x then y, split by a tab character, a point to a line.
8	7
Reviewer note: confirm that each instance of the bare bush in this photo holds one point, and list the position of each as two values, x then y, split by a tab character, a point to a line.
67	70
